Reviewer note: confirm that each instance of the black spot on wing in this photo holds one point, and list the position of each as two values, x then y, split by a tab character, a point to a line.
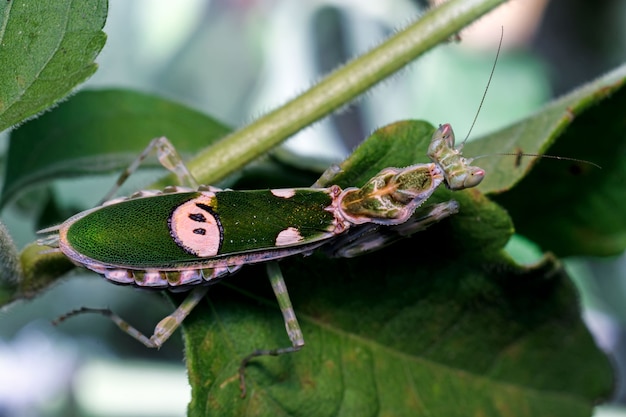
218	223
197	217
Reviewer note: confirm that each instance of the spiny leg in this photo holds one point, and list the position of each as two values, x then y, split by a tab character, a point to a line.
291	324
163	330
168	158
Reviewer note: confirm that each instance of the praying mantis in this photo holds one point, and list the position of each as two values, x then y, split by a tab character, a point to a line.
186	238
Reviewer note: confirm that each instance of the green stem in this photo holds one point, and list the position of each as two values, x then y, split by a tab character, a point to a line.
337	89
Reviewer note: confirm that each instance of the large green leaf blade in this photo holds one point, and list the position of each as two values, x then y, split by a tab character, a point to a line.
100	131
425	338
538	132
589	124
46	49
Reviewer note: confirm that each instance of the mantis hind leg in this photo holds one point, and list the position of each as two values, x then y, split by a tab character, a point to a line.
162	331
291	324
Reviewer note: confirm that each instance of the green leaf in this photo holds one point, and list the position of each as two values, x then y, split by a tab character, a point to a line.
590	201
399	144
440	335
46	49
560	119
100	131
